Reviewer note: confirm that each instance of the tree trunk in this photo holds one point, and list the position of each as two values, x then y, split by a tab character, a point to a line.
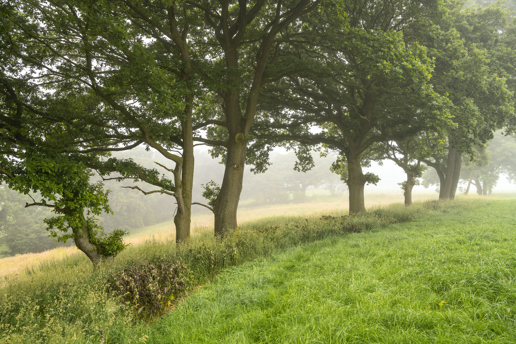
83	243
226	205
456	175
184	180
442	181
446	187
479	187
484	188
411	181
356	182
469	183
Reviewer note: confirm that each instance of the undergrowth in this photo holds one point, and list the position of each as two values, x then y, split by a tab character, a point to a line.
67	302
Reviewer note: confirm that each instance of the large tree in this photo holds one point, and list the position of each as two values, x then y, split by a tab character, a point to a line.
248	38
361	85
134	59
35	160
149	62
463	46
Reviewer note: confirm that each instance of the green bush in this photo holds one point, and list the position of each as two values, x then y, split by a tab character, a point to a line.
150	288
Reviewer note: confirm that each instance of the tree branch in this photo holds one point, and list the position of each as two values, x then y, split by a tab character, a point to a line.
203	205
149	192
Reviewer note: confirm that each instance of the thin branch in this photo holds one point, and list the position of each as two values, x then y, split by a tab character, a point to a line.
6	173
212	143
114	178
149	192
40	204
203	205
166	168
134	145
202	125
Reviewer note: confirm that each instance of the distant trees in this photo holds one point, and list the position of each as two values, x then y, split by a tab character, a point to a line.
490	161
463	46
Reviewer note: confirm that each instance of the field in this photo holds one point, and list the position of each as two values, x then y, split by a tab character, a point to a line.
450	279
432	273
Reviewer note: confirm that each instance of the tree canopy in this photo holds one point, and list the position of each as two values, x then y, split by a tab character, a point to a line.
410	80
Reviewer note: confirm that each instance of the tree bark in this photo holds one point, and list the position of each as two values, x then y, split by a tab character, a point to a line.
83	242
442	180
446	187
469	183
226	205
456	175
411	181
184	180
356	183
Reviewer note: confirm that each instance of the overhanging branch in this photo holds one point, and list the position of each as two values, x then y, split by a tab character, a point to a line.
149	192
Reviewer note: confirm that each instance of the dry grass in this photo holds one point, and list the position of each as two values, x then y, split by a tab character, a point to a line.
12	267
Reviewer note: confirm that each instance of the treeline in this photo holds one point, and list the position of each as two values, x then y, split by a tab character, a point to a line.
490	161
24	231
418	82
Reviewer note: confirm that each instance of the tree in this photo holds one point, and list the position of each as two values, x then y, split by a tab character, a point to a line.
361	86
408	154
496	158
248	38
481	101
134	60
37	151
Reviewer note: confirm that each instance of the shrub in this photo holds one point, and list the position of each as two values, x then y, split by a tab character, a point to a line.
149	288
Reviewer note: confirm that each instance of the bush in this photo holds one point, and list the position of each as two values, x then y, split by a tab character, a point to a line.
150	288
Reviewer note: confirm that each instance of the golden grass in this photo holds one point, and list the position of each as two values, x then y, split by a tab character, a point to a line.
12	267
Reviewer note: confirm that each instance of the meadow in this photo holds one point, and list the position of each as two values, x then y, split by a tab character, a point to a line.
446	278
435	272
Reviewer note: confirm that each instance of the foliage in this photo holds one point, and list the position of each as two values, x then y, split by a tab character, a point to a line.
22	230
150	288
111	244
211	191
361	84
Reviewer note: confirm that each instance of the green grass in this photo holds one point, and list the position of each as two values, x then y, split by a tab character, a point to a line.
385	284
446	278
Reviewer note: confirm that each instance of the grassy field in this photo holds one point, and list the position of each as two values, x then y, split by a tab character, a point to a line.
431	273
442	279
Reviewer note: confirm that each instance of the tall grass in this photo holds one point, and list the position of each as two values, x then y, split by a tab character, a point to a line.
66	302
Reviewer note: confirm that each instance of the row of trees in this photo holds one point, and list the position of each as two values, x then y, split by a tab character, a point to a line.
414	81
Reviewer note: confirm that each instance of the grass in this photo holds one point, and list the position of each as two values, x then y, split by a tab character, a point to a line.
63	301
446	278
